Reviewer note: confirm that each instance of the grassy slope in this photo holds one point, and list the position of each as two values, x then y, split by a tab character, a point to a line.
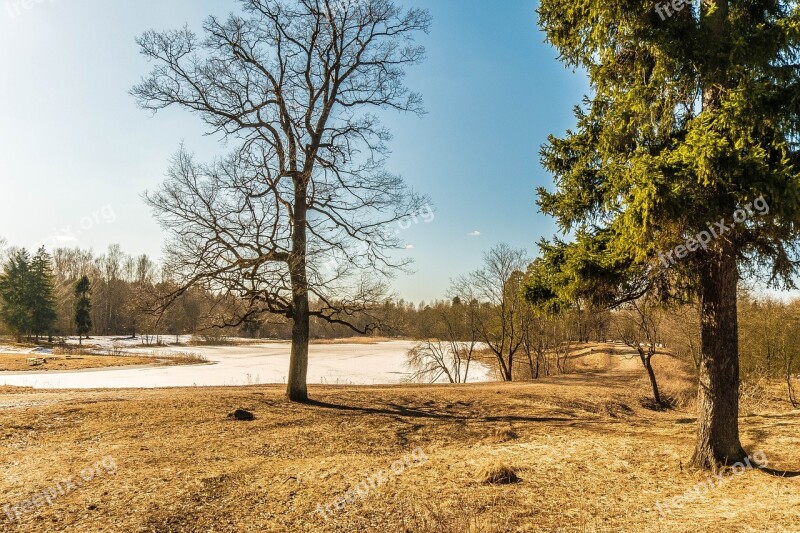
591	458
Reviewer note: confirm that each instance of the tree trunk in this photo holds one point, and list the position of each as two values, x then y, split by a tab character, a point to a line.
505	373
718	394
648	365
789	376
297	388
534	374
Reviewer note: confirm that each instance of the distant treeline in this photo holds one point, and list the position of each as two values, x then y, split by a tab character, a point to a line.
127	300
127	292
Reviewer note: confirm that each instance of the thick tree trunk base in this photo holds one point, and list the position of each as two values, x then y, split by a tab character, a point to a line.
296	396
706	457
297	389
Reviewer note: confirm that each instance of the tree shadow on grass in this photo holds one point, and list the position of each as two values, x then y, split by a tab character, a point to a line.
779	473
396	410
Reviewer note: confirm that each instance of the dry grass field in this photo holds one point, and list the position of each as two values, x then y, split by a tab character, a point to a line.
18	362
588	455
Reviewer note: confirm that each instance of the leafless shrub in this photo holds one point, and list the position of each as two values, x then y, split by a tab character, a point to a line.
183	358
433	359
754	395
69	350
211	338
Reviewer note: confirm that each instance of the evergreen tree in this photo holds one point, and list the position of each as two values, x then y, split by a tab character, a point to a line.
15	310
83	308
41	298
682	173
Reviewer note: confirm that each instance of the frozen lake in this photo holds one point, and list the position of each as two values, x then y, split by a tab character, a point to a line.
264	363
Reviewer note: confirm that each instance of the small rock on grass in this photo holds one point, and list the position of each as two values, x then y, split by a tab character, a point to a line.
242	415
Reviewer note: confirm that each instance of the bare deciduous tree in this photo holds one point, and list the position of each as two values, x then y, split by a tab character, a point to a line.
640	329
302	205
540	340
504	313
433	358
452	355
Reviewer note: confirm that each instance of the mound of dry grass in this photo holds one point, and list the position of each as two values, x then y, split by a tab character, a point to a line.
498	474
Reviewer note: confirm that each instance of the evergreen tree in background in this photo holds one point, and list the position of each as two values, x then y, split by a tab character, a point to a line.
27	294
15	310
83	308
682	172
41	298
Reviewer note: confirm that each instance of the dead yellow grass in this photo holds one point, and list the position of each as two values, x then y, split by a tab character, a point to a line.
498	474
589	455
17	362
499	436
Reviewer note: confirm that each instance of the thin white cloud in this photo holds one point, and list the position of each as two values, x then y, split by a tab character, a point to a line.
475	233
65	238
409	246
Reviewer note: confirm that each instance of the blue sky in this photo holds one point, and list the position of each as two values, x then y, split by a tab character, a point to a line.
76	154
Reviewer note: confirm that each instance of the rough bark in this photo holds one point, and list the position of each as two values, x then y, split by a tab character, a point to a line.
296	389
718	393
